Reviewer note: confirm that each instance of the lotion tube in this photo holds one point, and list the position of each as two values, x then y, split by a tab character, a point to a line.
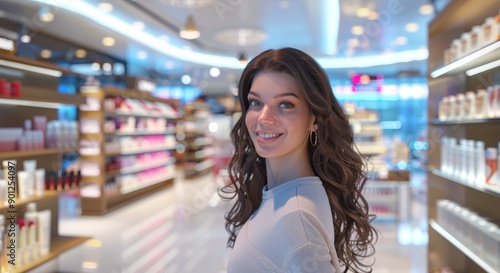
44	219
22	185
39	182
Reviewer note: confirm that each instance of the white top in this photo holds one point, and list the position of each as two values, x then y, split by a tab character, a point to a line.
292	231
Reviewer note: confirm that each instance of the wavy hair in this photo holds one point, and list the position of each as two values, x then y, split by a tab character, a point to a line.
335	159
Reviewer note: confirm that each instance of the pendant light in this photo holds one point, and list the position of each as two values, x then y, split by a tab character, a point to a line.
190	31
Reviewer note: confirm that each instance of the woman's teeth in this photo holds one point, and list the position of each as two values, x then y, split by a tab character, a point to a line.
268	135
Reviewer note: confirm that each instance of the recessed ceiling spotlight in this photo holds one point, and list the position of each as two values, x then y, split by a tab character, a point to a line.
401	40
108	41
45	53
106	67
138	25
25	39
411	27
357	30
373	15
284	4
95	66
45	15
170	65
214	72
186	79
362	12
353	42
105	7
142	55
80	53
426	9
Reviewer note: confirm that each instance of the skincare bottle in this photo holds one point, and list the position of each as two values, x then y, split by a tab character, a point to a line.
463	159
444	109
491	166
22	191
492	101
444	154
23	240
39	182
481	104
481	160
452	102
44	220
471	162
469	105
30	168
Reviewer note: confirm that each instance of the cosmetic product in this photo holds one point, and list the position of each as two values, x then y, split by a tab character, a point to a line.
490	31
471	162
444	109
491	166
22	177
492	107
453	169
44	219
30	169
481	161
31	218
463	159
492	246
469	105
475	38
451	100
481	104
23	243
455	50
39	182
465	43
15	88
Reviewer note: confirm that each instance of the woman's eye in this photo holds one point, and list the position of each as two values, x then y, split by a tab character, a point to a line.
254	103
286	105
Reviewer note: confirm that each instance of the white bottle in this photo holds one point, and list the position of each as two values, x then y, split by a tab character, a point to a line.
444	155
471	162
481	161
492	101
454	156
491	166
470	105
481	104
460	103
463	159
31	216
444	109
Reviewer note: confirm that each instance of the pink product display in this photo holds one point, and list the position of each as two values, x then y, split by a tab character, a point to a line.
10	89
9	138
141	159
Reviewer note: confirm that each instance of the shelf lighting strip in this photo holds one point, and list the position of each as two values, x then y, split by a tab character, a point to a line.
471	57
32	68
482	68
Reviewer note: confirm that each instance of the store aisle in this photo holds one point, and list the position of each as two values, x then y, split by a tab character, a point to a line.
181	230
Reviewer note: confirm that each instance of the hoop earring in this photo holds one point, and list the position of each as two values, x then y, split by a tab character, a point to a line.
313	140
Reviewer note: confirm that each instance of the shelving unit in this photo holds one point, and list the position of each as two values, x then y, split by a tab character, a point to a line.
198	154
106	187
39	96
459	16
389	200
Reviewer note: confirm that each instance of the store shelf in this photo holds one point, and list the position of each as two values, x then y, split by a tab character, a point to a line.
389	199
145	184
33	153
465	121
486	190
22	202
142	133
113	91
135	169
31	62
58	245
119	112
469	253
145	151
487	54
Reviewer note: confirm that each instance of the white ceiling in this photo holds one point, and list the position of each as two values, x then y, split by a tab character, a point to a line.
309	25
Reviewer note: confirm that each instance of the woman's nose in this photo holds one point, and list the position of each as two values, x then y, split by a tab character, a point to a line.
266	115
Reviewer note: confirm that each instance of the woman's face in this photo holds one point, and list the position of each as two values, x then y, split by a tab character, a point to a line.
278	118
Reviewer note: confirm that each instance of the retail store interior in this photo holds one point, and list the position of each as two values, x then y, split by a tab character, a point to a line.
116	118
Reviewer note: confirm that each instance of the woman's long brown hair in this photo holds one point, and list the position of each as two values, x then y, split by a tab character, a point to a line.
334	159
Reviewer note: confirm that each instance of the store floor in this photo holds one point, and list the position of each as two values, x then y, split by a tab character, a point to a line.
181	230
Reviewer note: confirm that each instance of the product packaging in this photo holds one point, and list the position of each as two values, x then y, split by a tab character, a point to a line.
481	160
481	104
44	220
39	182
491	166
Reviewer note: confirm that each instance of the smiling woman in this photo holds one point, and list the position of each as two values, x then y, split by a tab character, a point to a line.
295	174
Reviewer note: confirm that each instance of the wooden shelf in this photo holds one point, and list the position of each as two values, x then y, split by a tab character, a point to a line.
488	53
464	183
465	250
136	169
145	151
113	91
465	121
58	245
22	202
42	98
33	153
142	133
32	62
119	112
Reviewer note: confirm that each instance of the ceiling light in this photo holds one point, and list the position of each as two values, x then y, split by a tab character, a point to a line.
107	67
138	25
108	41
45	53
45	15
362	12
80	53
106	7
401	40
142	55
242	58
190	31
214	72
373	15
426	9
357	30
25	39
353	42
170	65
411	27
186	79
95	66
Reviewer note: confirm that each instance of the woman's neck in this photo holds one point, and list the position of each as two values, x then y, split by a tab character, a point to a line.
280	171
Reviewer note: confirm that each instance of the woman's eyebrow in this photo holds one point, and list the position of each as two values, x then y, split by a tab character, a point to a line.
277	96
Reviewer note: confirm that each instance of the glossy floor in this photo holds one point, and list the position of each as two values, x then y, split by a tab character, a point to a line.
181	230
